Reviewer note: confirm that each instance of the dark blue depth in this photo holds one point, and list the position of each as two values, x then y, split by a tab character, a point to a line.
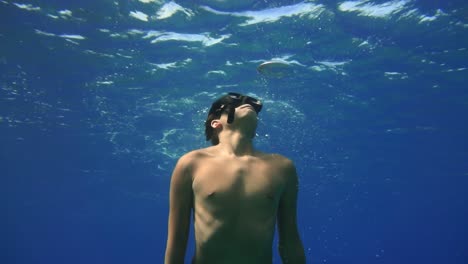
372	109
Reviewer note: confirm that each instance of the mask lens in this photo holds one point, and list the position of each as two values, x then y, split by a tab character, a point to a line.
256	104
251	101
239	99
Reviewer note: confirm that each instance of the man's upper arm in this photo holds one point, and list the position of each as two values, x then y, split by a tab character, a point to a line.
290	244
180	205
288	203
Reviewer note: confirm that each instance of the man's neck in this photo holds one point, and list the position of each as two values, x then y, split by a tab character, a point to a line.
235	143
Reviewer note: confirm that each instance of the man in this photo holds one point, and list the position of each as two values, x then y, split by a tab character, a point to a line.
236	193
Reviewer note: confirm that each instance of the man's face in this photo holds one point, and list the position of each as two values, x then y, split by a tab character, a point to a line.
245	112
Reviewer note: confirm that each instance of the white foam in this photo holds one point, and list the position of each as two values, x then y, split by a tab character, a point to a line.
204	38
139	15
220	86
439	13
396	75
27	7
43	33
68	36
461	24
135	32
422	18
333	64
366	8
166	66
65	13
274	14
219	72
455	70
171	65
71	41
287	59
427	19
104	83
392	73
329	65
52	16
169	9
364	43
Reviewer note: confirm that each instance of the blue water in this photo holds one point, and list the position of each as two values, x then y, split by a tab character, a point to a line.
98	99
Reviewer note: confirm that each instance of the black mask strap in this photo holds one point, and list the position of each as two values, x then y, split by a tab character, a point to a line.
231	110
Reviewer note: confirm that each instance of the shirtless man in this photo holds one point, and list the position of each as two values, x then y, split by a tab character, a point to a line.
236	193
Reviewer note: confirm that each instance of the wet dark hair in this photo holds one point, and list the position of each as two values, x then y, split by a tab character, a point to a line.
220	106
227	103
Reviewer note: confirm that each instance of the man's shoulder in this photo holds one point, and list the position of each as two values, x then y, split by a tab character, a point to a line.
277	158
285	166
196	155
190	160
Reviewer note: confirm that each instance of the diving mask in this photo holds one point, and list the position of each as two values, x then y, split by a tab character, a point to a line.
232	100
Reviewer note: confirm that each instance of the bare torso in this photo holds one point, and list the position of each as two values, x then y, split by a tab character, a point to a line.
235	201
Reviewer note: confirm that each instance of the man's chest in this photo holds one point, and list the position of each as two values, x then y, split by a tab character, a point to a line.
248	181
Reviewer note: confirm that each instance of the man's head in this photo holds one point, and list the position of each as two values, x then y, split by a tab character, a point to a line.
227	104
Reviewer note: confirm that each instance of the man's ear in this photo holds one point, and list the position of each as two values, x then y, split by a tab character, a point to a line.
216	124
